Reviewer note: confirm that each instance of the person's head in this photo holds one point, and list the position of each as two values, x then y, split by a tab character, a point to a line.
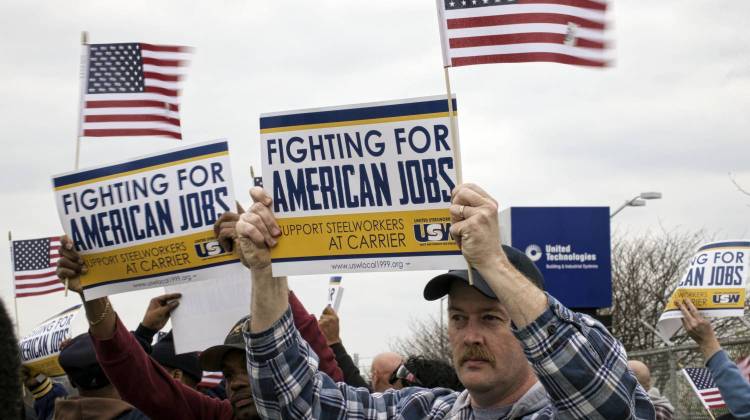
10	391
184	367
381	369
489	360
78	360
424	372
641	372
230	359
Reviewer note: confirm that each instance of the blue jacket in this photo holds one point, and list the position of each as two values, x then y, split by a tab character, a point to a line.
735	390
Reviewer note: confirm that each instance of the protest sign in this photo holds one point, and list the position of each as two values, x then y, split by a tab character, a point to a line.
209	309
41	347
361	188
148	222
715	282
335	293
570	246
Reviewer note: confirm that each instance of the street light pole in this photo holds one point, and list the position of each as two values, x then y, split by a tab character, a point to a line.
637	201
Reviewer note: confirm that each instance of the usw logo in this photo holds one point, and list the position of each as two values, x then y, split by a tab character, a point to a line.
208	249
727	298
432	232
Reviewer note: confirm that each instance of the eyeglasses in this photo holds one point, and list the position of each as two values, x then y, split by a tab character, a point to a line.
403	373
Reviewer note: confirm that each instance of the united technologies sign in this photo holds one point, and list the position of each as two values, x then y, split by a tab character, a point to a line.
571	247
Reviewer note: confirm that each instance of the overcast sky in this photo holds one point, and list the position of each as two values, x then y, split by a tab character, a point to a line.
672	116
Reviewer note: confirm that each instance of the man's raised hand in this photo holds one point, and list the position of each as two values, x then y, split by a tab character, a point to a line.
70	266
225	229
257	231
474	225
329	325
159	310
698	328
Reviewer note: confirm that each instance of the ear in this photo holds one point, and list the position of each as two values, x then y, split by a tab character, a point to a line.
177	374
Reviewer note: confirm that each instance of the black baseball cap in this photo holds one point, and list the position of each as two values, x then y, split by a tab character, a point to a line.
163	352
211	357
78	360
440	286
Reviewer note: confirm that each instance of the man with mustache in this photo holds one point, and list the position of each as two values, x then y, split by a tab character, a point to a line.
504	332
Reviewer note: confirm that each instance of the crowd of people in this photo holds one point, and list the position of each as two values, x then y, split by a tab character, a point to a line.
517	353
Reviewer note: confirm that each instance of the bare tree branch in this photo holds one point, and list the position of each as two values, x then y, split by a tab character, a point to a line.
738	186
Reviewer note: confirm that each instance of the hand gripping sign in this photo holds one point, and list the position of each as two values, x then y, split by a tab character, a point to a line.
361	188
715	282
148	222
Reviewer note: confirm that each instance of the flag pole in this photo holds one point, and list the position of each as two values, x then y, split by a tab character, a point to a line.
84	56
15	293
456	146
82	81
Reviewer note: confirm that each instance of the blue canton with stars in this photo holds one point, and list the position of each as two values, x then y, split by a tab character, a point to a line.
467	4
31	255
701	378
115	68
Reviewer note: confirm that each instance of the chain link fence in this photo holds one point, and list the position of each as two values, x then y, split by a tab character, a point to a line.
666	364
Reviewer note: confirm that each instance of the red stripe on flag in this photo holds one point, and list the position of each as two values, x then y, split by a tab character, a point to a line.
705	393
162	62
133	117
708	400
40	293
584	4
526	58
514	19
162	77
161	91
35	276
123	132
35	285
165	48
527	38
132	104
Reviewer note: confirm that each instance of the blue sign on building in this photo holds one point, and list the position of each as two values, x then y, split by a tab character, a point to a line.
571	247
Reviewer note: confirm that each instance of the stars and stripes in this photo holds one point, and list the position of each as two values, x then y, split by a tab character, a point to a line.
703	385
515	31
132	89
34	265
211	379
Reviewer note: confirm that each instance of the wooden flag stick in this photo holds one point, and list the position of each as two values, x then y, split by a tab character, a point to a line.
456	147
81	103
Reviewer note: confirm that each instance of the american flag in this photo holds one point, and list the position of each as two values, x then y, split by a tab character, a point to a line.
211	379
34	265
703	385
132	89
517	31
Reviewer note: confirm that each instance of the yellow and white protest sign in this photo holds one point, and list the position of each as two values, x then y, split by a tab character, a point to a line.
361	188
715	282
41	347
148	222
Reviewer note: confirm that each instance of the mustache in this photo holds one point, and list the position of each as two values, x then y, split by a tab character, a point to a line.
477	352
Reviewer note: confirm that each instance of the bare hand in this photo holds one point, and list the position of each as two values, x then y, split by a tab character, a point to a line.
70	266
329	325
224	229
159	309
474	225
257	231
698	328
